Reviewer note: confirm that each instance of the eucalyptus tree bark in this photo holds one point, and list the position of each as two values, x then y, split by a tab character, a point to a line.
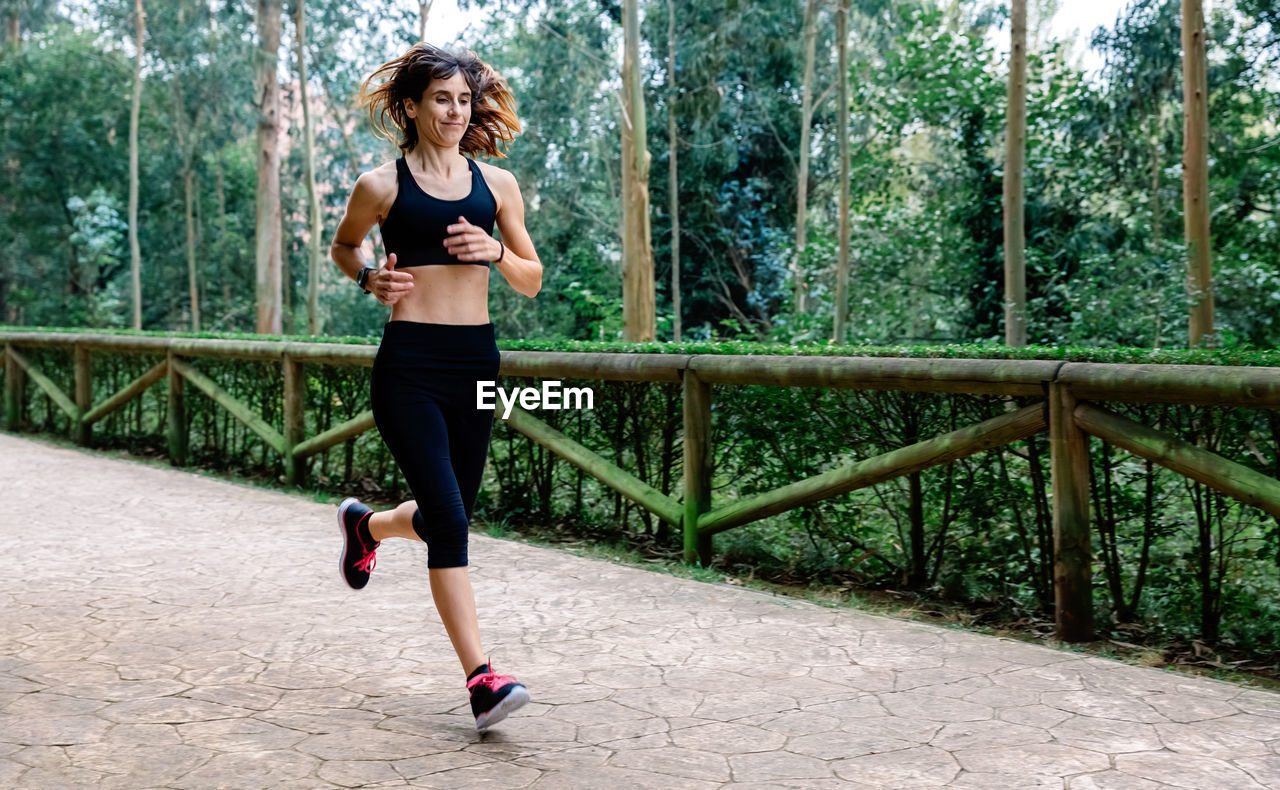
1195	171
1015	259
637	251
802	177
1157	232
188	135
842	130
424	11
135	251
673	181
269	258
313	200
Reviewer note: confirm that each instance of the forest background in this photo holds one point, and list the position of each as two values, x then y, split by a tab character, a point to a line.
724	86
1105	256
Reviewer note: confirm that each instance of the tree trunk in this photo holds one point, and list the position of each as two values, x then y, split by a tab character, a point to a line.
1157	233
802	178
193	274
1195	170
188	138
1015	264
673	181
842	129
135	250
313	199
637	252
268	259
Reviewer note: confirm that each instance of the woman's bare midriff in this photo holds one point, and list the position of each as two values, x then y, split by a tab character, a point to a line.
455	294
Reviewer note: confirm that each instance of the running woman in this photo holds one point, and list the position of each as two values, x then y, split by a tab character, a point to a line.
437	207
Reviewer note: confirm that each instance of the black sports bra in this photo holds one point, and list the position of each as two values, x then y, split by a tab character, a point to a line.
415	225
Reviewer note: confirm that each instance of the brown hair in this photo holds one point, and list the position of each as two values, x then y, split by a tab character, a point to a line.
493	108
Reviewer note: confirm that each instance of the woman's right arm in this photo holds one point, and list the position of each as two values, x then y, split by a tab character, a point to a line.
360	217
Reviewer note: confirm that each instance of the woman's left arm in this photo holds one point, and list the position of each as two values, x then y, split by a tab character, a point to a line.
519	264
519	260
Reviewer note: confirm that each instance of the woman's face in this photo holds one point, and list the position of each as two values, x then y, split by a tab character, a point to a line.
444	111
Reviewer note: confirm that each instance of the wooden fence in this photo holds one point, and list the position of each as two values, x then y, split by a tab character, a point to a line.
1069	411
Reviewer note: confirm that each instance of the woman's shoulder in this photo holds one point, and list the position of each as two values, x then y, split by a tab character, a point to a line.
381	179
495	174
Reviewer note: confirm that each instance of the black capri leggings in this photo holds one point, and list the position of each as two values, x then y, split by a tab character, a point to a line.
423	392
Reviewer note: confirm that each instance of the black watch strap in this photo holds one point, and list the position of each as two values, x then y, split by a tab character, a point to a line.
363	277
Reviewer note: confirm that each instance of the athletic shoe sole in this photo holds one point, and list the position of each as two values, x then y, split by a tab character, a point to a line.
342	528
517	699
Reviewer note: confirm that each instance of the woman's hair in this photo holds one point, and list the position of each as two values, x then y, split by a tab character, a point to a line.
493	108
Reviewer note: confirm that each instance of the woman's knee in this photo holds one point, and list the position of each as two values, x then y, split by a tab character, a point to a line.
446	535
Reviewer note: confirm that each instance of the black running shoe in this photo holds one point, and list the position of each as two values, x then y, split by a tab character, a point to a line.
358	558
493	696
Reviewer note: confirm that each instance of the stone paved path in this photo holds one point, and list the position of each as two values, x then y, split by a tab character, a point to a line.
163	629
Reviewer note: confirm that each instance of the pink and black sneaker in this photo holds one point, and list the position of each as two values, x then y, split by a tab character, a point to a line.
358	546
494	696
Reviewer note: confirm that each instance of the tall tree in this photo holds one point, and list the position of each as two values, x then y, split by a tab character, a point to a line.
188	133
1195	170
842	132
673	179
637	252
135	249
268	260
314	259
1015	261
802	176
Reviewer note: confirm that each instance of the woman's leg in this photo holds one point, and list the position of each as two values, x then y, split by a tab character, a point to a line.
456	603
419	434
450	587
395	523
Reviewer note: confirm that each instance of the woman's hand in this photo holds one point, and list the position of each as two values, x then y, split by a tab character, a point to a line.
389	285
469	242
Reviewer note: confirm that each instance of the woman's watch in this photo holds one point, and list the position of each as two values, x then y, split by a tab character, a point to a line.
363	277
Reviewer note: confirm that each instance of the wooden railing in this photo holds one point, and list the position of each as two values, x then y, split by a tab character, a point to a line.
1071	393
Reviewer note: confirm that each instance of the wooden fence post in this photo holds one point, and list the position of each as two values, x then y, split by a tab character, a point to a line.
177	416
697	466
12	390
82	431
1072	557
295	391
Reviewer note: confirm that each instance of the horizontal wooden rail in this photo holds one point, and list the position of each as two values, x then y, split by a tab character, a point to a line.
1182	457
1250	387
977	376
609	366
952	446
1210	385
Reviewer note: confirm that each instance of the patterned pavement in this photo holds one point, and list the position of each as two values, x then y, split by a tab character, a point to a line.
162	629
